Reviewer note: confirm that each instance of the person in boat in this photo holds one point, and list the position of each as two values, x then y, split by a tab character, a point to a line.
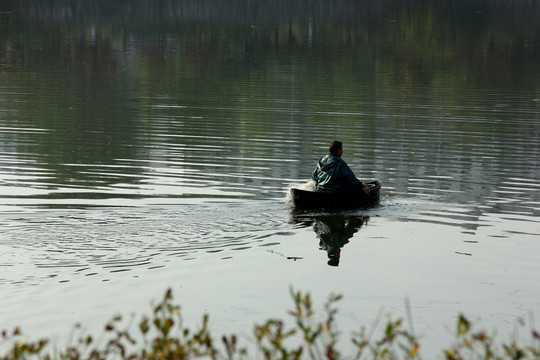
334	175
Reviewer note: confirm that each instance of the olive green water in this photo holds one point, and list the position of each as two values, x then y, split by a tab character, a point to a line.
147	145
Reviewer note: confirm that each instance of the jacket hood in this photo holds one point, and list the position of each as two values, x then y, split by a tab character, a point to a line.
328	162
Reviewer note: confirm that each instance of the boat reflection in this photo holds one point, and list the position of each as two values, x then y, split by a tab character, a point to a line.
333	231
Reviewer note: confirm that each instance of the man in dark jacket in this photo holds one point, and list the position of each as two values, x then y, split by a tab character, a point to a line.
333	174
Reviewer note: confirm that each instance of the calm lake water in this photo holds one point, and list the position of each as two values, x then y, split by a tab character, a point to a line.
146	146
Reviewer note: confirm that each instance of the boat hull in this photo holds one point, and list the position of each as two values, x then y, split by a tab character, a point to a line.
350	200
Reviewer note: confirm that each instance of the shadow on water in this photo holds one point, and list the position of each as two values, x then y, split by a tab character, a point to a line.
333	231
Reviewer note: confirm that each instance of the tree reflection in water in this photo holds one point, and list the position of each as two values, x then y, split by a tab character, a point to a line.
333	231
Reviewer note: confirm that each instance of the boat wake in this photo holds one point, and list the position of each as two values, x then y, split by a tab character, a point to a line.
308	186
410	208
395	205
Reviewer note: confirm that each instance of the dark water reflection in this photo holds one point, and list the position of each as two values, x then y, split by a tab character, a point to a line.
136	135
333	231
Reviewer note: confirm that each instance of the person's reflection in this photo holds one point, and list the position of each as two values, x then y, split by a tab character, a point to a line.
334	232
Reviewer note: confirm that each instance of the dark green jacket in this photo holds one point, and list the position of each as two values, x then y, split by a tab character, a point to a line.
333	174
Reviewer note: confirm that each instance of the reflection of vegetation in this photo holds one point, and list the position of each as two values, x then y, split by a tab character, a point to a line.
464	36
89	72
253	33
164	336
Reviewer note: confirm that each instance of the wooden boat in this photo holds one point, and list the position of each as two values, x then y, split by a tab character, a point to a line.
350	200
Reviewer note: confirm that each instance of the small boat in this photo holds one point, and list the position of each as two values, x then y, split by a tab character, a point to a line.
349	200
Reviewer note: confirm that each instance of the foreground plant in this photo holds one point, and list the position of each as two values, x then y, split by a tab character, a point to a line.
480	345
164	336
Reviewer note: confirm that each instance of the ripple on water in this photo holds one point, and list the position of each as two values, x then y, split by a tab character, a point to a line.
100	242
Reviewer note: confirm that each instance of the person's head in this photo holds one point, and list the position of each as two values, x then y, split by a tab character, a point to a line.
336	148
333	257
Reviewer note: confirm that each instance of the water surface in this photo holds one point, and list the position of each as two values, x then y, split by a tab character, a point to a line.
146	148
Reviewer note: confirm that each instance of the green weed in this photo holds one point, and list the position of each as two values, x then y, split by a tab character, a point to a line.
164	336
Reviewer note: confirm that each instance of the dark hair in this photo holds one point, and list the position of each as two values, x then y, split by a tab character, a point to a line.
335	146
